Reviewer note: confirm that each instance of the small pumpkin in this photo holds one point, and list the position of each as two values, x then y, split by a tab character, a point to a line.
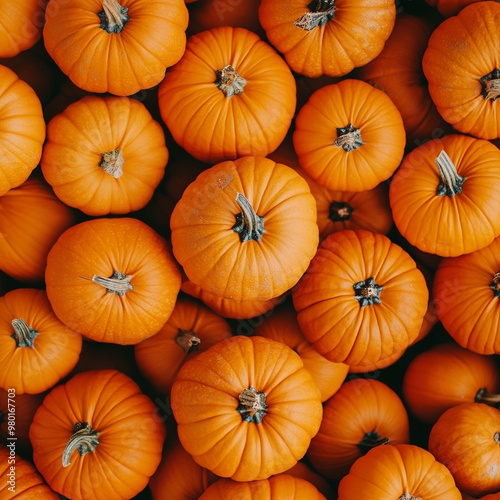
349	136
303	470
97	436
466	439
36	348
261	405
448	8
120	47
112	279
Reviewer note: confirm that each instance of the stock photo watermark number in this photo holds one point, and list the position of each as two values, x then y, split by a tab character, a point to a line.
11	440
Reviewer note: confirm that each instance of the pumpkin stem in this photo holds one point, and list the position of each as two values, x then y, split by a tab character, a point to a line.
339	211
491	85
229	82
252	405
187	340
348	138
483	396
23	334
118	283
320	12
370	440
113	16
408	496
367	292
83	440
451	183
112	163
249	225
496	437
495	284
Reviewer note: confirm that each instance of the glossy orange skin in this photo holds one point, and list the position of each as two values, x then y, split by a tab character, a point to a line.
119	63
208	387
393	470
100	247
131	436
212	127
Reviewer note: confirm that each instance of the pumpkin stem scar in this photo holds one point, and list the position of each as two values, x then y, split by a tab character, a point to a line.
229	82
83	440
23	334
113	16
339	211
249	225
451	183
367	292
252	405
348	138
370	440
118	283
491	85
112	163
408	496
320	12
495	284
187	341
483	396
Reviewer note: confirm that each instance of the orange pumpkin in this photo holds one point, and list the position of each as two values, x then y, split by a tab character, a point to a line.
450	179
234	223
448	8
32	220
97	436
362	299
246	408
349	136
304	471
113	280
104	155
22	130
230	95
36	349
190	330
327	37
120	47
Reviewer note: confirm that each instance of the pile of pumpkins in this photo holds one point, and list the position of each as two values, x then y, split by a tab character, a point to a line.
249	249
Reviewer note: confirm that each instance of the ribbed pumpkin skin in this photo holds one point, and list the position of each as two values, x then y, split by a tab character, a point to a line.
212	127
207	393
131	437
119	63
322	125
448	8
103	248
466	298
22	130
471	215
78	139
330	310
211	251
393	471
354	36
455	81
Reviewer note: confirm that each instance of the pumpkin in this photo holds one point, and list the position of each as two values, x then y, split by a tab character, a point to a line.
179	475
462	70
113	280
32	220
97	436
402	471
304	471
246	408
362	414
234	223
23	130
362	299
448	8
446	375
20	479
281	325
449	179
36	349
274	488
104	155
349	136
466	292
191	329
230	95
327	37
397	70
21	27
115	46
466	439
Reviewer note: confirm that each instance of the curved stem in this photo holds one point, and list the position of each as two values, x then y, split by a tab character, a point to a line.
348	138
370	440
23	334
229	82
451	183
483	396
491	85
112	163
187	340
113	16
367	292
320	12
83	440
252	405
339	211
495	284
118	283
249	225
